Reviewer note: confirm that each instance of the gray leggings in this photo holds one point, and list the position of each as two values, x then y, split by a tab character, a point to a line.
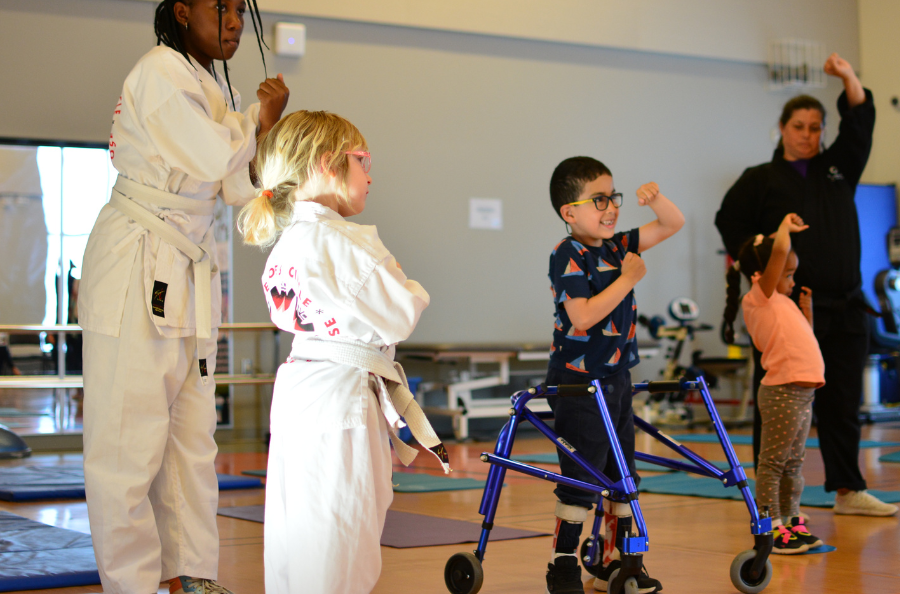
786	414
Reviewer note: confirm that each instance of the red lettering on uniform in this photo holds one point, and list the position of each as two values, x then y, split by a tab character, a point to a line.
330	323
334	332
306	302
292	272
271	272
112	155
266	287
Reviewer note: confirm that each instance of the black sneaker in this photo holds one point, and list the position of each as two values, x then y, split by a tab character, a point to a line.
564	576
798	527
645	583
786	542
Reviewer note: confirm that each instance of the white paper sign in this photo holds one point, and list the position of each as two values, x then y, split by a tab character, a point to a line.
485	213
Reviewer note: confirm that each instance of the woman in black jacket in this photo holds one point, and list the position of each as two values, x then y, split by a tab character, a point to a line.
819	184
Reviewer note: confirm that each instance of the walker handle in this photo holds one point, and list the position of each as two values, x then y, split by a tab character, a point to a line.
574	390
663	386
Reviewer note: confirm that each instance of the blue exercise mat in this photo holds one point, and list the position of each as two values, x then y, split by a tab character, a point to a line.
892	457
66	481
682	483
812	442
640	465
820	549
229	482
35	556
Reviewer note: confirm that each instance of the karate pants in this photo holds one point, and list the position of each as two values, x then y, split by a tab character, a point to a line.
328	484
149	453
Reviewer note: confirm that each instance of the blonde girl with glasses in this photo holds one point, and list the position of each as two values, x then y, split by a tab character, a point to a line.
339	398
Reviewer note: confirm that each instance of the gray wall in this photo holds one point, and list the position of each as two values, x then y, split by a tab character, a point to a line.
450	116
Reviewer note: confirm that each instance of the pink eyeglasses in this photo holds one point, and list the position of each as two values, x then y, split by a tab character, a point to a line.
365	159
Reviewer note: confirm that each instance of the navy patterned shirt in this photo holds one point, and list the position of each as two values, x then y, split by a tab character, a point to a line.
578	270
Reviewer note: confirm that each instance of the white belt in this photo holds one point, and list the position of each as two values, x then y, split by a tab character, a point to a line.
393	394
121	199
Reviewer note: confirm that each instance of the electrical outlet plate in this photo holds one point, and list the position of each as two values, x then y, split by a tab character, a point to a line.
290	39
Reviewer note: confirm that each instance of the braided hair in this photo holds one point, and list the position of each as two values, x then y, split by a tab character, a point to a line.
168	33
752	258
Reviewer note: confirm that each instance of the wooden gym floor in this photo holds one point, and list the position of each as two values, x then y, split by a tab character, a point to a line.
693	540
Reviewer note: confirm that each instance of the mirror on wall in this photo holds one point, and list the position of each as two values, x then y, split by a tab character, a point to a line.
50	195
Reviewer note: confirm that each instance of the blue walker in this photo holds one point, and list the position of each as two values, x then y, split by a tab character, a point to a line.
751	570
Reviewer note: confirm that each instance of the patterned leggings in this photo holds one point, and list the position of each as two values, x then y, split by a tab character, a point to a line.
786	414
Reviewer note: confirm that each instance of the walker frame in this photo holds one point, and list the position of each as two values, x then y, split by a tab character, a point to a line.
751	569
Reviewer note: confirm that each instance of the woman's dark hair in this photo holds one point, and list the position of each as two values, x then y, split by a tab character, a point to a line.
800	102
168	33
569	177
752	258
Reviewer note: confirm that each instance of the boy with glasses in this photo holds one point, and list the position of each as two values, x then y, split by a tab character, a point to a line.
593	272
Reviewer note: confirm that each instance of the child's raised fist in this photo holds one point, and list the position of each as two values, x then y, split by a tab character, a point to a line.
793	223
806	303
633	267
273	97
646	193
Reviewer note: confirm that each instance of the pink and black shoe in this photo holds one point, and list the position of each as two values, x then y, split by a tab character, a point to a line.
786	542
798	527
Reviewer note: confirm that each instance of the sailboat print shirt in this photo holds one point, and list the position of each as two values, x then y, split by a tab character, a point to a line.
578	270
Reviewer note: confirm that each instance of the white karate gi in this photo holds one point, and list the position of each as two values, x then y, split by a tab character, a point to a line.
149	416
328	487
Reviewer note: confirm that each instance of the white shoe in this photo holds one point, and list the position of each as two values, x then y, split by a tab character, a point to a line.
860	503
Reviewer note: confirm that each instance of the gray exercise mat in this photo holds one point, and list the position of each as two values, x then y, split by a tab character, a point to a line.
403	530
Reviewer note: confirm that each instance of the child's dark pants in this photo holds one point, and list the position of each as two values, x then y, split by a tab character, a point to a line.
578	421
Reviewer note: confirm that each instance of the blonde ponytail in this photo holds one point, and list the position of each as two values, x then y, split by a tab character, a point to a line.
300	146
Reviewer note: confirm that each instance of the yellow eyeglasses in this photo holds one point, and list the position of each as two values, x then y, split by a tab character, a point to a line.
601	202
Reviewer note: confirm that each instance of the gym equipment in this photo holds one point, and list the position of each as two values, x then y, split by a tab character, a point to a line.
11	445
675	409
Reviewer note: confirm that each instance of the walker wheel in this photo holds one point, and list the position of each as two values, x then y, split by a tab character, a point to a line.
630	585
740	573
463	574
592	566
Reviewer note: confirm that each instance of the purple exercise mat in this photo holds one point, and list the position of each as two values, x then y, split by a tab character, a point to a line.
403	530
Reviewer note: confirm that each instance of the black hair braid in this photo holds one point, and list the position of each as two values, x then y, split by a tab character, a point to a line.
732	301
167	29
258	28
752	258
224	62
260	41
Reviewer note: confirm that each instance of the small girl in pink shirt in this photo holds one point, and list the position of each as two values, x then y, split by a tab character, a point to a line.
794	370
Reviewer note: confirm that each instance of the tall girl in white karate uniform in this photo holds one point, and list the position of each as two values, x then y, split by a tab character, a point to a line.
334	285
150	302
